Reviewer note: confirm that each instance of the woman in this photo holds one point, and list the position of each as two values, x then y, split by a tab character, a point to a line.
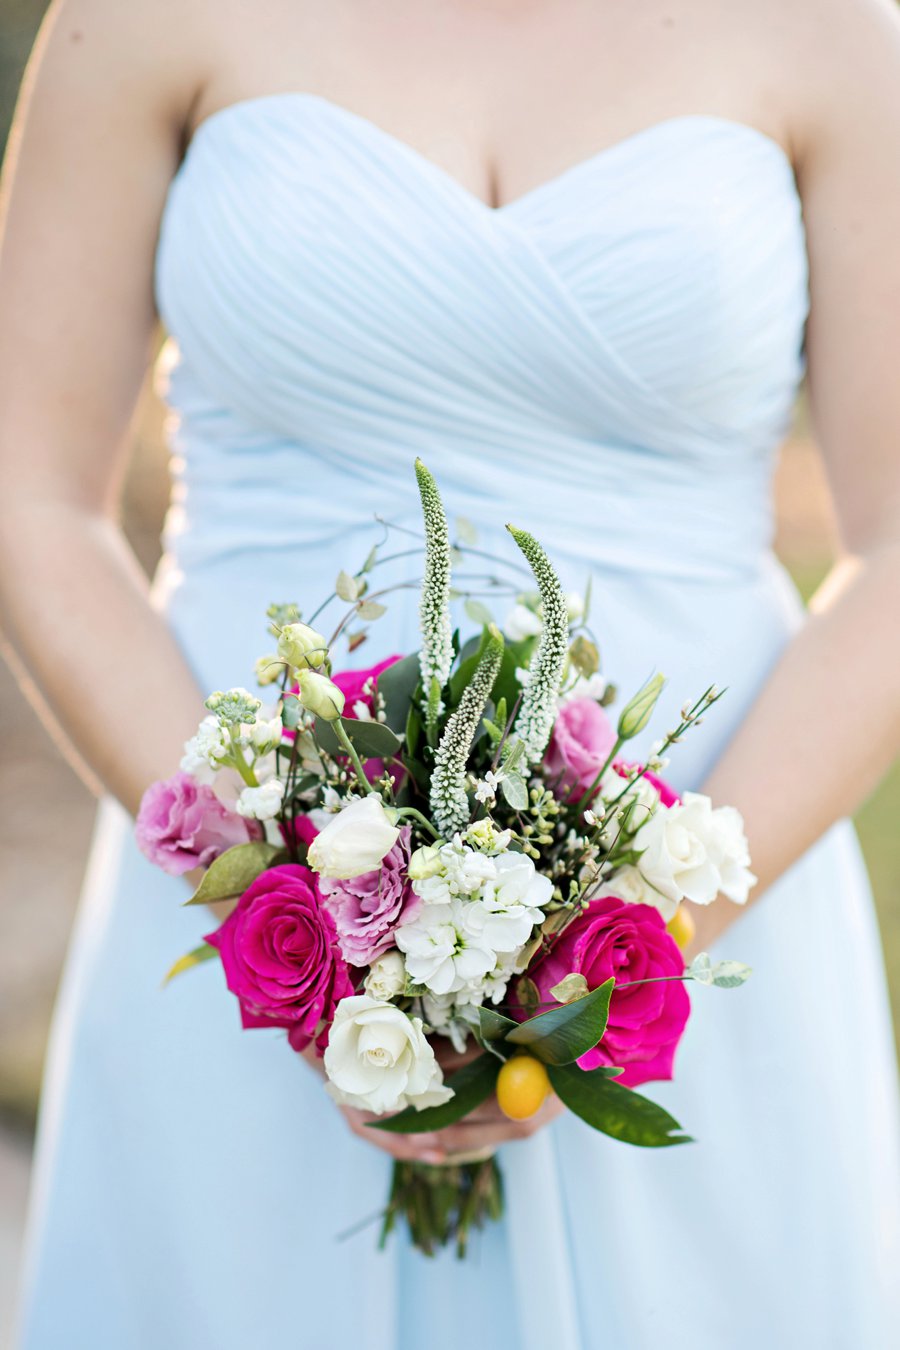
578	257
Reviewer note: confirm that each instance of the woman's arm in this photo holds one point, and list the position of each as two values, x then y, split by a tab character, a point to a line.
94	145
827	723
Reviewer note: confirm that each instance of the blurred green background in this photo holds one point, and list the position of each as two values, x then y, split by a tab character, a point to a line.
36	782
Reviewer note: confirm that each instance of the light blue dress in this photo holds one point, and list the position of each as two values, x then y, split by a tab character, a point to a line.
610	361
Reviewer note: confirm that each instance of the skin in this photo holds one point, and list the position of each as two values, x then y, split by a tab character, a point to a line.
111	99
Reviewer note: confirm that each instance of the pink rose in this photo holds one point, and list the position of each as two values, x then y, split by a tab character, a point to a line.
581	743
366	909
182	824
280	954
667	795
645	1021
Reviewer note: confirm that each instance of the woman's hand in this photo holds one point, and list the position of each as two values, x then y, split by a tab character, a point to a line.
478	1135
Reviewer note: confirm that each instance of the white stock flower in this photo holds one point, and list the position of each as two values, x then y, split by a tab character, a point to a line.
203	750
386	978
440	951
476	909
694	852
520	623
265	735
354	841
378	1059
261	803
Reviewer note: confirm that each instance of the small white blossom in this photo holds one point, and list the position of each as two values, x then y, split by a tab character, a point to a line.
203	751
574	606
264	736
486	787
261	803
586	686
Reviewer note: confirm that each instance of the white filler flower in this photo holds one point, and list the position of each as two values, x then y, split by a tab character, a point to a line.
378	1059
261	803
694	852
355	841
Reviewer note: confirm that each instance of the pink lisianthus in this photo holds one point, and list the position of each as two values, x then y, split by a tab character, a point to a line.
582	740
280	955
646	1021
367	909
667	795
181	824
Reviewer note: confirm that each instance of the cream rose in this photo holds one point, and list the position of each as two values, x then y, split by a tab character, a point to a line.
693	852
354	841
379	1060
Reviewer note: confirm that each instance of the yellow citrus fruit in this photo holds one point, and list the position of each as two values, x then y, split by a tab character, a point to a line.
681	927
522	1087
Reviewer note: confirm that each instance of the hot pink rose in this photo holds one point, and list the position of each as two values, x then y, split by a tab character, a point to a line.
667	795
182	824
581	743
645	1021
280	954
367	909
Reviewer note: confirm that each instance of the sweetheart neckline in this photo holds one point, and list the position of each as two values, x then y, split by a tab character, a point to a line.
634	139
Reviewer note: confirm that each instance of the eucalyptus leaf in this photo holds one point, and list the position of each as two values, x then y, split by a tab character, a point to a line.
347	587
205	952
233	871
397	686
528	996
571	987
371	559
370	609
291	709
613	1109
700	969
561	1035
514	790
472	1085
730	974
466	531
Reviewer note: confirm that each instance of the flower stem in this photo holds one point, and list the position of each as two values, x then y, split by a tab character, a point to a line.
348	746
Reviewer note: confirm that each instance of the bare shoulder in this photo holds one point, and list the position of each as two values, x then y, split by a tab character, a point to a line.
835	68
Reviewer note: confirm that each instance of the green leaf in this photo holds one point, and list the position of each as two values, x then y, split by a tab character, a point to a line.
370	609
472	1085
700	969
347	587
479	613
730	974
613	1109
584	656
494	1026
515	790
371	740
233	871
397	687
571	987
205	952
291	711
371	559
562	1034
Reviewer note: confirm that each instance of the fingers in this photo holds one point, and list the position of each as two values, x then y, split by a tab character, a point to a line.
425	1148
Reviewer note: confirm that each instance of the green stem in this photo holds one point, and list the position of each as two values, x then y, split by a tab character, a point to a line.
417	815
584	801
348	746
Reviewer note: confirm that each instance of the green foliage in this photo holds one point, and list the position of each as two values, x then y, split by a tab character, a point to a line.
397	686
436	655
233	871
537	712
449	802
613	1109
370	740
563	1034
472	1085
197	957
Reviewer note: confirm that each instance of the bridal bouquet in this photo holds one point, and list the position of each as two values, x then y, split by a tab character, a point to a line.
453	848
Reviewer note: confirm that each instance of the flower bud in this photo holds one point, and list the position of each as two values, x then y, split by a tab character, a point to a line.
355	841
319	695
636	714
264	736
425	862
268	669
233	706
302	646
387	977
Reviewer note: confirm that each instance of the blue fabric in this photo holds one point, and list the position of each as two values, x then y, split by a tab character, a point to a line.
609	361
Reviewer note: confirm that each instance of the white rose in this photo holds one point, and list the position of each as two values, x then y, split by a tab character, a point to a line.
521	623
692	851
627	884
354	841
378	1059
261	803
386	978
